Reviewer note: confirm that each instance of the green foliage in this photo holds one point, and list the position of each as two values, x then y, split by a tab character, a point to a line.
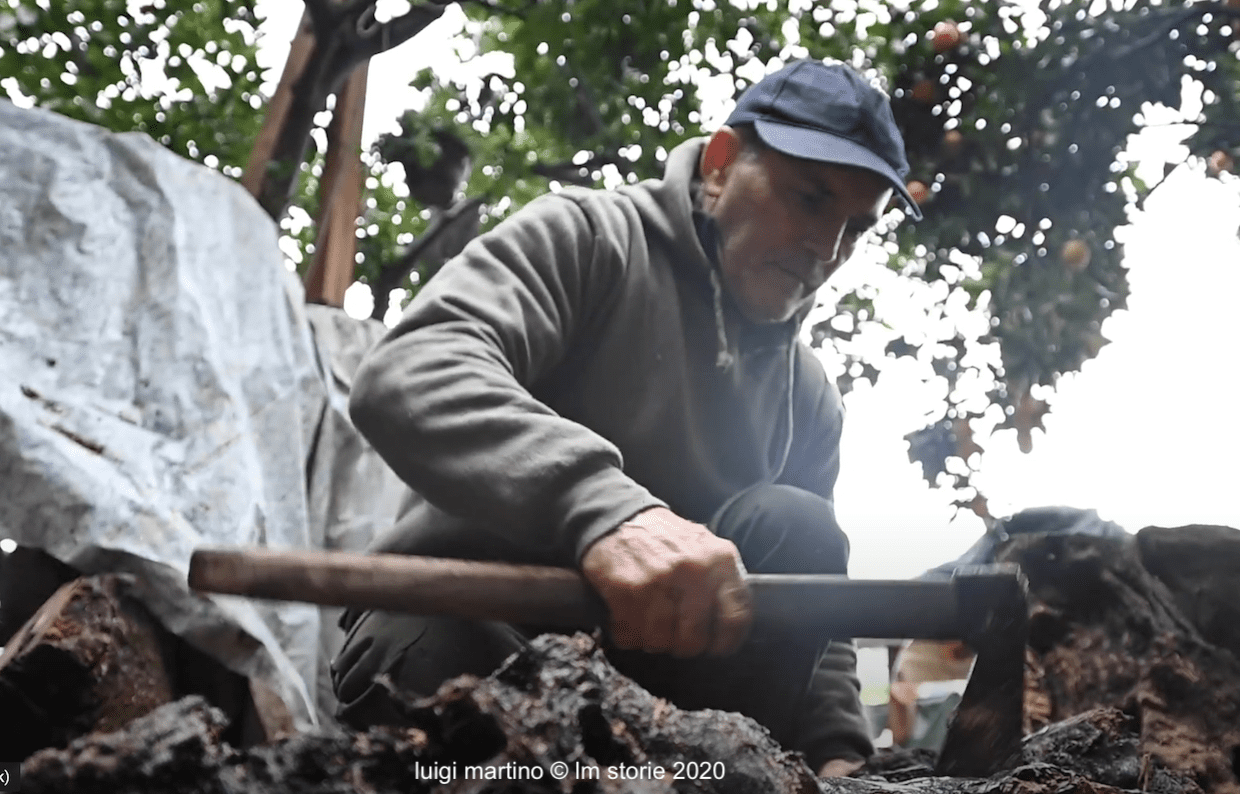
1015	119
184	74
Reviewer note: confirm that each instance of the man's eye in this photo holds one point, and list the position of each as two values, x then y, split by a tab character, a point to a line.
812	200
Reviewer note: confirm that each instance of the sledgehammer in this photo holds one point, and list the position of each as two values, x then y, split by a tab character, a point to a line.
985	606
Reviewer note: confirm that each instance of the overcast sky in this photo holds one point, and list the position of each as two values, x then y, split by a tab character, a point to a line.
1146	433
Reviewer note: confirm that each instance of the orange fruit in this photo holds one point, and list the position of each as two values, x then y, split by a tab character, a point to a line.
1218	162
919	190
1075	254
946	36
924	91
952	144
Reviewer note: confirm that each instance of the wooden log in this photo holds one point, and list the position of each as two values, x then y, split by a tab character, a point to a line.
558	702
28	578
1095	752
92	658
255	174
331	271
1200	565
559	705
1104	631
1140	698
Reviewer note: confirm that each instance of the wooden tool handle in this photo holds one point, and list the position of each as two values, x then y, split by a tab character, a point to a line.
527	594
533	595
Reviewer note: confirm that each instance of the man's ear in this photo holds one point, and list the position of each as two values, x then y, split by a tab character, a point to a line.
718	155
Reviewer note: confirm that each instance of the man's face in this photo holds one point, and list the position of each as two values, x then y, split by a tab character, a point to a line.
785	224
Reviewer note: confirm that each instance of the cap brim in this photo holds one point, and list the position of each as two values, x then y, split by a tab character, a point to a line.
812	144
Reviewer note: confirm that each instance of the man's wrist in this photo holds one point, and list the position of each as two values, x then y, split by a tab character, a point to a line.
596	505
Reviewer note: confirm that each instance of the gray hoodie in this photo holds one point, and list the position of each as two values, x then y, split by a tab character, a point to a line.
579	364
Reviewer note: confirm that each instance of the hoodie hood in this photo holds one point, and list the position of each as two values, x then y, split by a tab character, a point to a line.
675	199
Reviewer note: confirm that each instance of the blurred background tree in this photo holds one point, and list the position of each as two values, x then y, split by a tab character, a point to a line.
184	73
1016	117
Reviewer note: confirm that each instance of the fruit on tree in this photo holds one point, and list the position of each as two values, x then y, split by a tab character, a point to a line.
1218	162
946	36
919	190
952	144
1075	254
924	91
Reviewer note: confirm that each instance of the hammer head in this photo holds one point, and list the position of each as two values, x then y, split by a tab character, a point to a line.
985	734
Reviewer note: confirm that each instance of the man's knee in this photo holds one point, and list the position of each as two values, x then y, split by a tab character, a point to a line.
783	529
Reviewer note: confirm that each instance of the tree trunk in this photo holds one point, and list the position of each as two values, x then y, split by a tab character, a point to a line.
333	39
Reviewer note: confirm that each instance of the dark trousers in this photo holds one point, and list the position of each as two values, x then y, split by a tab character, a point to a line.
777	528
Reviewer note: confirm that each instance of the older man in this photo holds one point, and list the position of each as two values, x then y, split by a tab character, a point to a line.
611	380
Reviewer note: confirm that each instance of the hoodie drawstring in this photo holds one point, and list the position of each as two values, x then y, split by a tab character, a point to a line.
708	235
792	377
723	358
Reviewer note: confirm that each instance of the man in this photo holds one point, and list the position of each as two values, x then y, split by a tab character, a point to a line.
611	380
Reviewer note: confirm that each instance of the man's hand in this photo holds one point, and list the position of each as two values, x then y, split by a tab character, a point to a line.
670	585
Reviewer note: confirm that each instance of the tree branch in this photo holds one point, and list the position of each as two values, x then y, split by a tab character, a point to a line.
1160	25
365	40
572	173
1173	21
392	275
323	17
564	172
585	98
1172	18
500	8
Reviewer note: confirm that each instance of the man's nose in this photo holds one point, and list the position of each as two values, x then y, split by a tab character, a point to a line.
824	242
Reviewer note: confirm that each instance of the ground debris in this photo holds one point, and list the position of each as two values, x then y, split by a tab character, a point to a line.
1105	631
558	702
1136	694
174	748
1093	753
92	658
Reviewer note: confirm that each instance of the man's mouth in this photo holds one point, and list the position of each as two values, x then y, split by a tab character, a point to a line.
796	277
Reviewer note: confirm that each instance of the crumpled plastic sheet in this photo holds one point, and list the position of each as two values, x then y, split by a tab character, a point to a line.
1056	520
352	493
163	386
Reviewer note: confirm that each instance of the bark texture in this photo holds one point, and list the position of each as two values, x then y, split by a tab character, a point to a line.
91	658
1105	631
558	701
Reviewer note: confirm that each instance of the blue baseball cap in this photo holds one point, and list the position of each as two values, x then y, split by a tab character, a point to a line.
828	113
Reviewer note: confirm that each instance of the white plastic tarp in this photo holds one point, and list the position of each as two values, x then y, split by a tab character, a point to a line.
161	388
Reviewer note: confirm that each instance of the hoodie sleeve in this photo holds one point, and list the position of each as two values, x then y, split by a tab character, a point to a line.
445	396
832	723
